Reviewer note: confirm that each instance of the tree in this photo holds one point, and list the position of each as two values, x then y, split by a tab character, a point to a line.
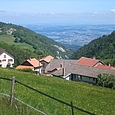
16	40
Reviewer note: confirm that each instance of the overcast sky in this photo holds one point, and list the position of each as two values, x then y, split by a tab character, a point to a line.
58	11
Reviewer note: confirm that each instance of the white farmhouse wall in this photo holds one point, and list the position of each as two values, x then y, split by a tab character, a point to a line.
6	59
68	77
37	70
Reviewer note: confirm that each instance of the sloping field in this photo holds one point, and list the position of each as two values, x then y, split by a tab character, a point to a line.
97	100
9	39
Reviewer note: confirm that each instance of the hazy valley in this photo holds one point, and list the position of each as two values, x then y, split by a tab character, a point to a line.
72	36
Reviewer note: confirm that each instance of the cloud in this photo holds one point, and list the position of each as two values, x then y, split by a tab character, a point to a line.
97	12
52	13
113	10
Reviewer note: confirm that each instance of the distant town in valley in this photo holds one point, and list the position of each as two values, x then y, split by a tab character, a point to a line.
72	36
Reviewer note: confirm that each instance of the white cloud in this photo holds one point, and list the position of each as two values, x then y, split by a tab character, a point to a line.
97	12
113	10
52	13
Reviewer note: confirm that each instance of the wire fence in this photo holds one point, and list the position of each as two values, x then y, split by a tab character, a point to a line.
13	80
25	104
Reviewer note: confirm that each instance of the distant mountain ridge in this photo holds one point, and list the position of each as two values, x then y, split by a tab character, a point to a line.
38	43
102	48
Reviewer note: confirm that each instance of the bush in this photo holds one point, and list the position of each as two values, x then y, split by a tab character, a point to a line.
106	80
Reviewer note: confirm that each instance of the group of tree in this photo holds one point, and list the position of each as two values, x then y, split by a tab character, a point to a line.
106	80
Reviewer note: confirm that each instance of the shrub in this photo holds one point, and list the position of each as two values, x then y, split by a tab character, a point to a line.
106	80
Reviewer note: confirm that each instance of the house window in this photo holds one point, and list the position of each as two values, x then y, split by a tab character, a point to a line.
4	60
93	79
4	56
79	77
10	60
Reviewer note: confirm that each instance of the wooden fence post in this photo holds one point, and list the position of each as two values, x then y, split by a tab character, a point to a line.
72	108
12	91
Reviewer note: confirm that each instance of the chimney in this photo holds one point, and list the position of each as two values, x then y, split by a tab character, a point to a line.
94	57
63	71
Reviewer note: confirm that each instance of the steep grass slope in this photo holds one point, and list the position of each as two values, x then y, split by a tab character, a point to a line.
98	100
9	39
16	109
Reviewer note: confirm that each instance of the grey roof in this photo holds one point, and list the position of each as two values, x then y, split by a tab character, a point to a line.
83	70
55	63
3	50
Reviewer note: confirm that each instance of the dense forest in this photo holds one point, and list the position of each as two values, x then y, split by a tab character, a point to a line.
39	44
102	48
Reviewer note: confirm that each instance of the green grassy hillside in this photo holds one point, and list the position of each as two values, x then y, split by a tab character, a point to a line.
9	39
98	100
16	109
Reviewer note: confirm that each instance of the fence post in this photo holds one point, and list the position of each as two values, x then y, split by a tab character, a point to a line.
72	108
12	91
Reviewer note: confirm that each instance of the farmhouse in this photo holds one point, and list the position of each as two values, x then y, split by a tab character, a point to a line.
81	73
34	64
84	69
10	31
93	63
6	59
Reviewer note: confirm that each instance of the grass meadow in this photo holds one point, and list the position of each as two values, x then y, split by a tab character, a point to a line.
9	39
95	99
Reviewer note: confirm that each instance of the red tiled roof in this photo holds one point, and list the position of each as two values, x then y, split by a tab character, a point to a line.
112	68
23	67
47	59
34	62
87	61
105	67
